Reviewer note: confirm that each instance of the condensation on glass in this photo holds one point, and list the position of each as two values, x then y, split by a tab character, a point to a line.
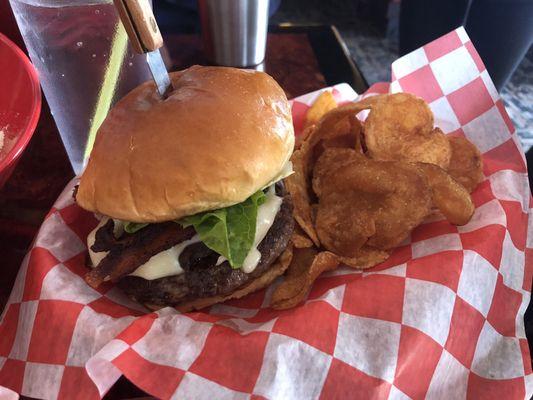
84	62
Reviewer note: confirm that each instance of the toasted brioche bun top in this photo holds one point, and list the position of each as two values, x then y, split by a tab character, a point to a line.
221	135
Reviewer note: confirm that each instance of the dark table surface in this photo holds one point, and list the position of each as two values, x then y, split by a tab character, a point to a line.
300	59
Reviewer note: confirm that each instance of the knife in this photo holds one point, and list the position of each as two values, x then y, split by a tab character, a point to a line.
145	38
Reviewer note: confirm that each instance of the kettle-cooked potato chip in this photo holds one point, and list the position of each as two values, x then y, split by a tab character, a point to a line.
330	160
466	165
306	266
400	127
299	239
358	191
297	185
299	139
450	197
330	128
366	257
372	202
324	103
345	222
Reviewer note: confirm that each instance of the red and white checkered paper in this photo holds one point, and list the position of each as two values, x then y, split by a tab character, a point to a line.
442	318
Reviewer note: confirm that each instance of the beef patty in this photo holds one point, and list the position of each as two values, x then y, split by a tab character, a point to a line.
202	277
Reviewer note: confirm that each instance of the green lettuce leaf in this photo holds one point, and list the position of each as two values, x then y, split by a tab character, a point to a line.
132	227
229	231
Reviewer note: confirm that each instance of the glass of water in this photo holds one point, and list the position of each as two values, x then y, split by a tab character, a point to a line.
81	51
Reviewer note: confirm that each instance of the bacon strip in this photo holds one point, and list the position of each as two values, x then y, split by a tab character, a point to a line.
130	251
104	239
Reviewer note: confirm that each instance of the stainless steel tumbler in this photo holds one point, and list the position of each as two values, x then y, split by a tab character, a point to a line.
234	31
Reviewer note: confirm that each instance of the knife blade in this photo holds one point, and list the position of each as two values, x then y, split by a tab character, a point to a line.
159	72
145	38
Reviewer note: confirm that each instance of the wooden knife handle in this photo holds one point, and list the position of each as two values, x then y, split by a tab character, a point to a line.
140	24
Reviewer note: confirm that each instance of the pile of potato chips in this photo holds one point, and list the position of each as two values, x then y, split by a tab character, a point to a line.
359	189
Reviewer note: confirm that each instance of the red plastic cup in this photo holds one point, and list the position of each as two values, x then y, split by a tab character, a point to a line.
20	104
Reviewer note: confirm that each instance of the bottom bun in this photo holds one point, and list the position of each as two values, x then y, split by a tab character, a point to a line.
275	270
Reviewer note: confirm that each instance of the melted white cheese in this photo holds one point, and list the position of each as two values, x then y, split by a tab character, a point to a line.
166	263
286	171
266	213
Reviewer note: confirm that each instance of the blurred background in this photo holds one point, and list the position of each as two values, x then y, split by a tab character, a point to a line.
376	32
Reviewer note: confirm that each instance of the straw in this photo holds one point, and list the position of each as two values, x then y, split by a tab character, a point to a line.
109	85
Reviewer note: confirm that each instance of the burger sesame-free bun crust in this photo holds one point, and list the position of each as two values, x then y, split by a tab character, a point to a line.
221	135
